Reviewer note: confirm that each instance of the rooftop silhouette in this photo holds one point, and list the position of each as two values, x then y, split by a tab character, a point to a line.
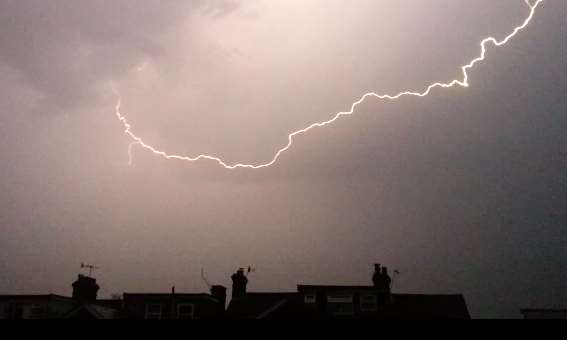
307	302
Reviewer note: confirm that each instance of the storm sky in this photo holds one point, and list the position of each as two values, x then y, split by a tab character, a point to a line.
464	191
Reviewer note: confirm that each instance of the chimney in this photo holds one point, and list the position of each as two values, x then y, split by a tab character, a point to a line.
376	276
239	282
85	289
381	279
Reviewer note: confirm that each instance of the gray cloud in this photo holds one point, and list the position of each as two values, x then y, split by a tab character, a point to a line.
64	49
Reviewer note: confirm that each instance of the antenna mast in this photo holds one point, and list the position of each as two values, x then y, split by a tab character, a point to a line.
90	267
249	270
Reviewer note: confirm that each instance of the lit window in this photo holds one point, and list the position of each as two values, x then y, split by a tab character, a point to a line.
341	305
153	312
310	298
368	303
185	312
340	299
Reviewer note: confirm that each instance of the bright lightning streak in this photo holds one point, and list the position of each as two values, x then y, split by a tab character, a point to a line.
464	82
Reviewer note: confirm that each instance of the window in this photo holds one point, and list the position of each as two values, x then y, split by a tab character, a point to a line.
368	303
341	305
185	312
153	312
340	299
310	298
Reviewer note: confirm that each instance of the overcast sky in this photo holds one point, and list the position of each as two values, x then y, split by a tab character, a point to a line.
464	191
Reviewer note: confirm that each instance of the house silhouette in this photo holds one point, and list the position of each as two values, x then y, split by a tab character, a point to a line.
328	302
307	302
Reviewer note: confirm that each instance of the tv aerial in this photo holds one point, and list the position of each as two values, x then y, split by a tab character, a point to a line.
90	267
249	270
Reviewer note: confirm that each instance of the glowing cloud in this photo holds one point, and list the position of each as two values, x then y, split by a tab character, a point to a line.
463	82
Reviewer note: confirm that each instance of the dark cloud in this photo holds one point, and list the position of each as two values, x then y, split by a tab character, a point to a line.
65	48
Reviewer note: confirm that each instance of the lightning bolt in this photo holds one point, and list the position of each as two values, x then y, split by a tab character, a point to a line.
463	82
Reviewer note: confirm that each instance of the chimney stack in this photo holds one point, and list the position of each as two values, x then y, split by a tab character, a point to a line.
381	279
85	289
239	283
376	276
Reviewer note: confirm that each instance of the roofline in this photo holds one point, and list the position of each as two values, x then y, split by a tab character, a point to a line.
35	296
324	287
539	310
336	286
166	294
271	293
444	295
203	296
